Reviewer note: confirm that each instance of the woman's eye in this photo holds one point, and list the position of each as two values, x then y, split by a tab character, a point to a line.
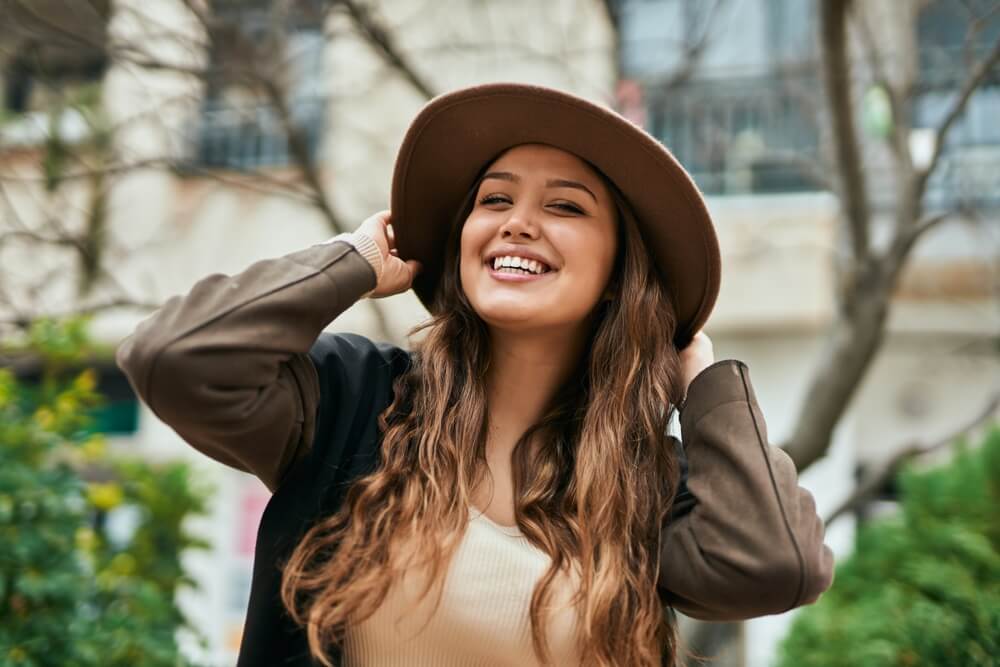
492	199
568	207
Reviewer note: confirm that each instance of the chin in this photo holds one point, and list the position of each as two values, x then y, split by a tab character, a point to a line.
510	316
518	318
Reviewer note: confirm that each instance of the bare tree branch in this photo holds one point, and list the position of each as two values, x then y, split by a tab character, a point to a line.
900	123
381	38
694	49
837	80
54	29
36	237
854	341
23	321
78	174
260	181
299	149
200	12
875	480
135	56
858	331
903	243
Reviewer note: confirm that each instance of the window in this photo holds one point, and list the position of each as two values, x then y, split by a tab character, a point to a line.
743	135
53	55
790	31
942	29
239	127
969	171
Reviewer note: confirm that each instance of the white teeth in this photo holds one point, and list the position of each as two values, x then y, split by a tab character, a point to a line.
510	261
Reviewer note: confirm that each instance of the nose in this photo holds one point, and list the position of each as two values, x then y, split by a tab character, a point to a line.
519	225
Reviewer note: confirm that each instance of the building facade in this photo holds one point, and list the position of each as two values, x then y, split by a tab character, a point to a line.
748	120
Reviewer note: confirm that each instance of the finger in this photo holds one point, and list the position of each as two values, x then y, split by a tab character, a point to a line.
402	276
379	220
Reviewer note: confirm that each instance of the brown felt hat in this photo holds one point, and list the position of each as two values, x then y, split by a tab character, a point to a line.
457	134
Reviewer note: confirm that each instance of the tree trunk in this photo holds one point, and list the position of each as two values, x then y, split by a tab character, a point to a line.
856	338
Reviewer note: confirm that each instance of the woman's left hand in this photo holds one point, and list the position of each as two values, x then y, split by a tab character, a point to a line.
696	357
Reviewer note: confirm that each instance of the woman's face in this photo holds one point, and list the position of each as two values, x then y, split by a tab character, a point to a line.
541	203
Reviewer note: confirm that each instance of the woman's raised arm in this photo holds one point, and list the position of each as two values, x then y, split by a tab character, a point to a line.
752	543
227	365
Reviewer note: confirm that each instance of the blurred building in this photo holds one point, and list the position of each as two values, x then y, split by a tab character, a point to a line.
748	121
201	177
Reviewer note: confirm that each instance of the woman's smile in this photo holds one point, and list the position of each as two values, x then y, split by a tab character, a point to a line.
512	275
518	267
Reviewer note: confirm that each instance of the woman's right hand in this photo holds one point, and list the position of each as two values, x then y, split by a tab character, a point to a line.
397	274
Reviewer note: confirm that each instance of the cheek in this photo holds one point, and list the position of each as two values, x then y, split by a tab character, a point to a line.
591	257
474	236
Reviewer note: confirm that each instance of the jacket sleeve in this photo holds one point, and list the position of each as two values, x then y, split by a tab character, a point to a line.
227	366
752	543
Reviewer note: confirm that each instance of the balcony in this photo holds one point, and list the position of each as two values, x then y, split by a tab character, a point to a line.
968	174
743	135
250	136
761	135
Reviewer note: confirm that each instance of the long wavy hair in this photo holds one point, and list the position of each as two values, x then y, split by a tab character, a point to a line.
594	495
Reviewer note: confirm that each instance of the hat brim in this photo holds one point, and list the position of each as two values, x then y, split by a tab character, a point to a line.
453	137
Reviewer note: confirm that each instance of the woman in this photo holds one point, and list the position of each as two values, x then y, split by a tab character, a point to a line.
507	493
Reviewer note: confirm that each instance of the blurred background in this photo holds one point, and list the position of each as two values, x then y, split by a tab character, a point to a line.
850	153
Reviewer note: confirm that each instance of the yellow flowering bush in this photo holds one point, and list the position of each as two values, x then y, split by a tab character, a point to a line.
74	590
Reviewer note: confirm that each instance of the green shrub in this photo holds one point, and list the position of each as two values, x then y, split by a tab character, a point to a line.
76	589
923	587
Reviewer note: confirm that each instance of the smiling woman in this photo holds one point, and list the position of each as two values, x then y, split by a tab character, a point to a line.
505	493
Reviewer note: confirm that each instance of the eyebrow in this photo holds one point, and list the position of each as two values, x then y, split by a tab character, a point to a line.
551	183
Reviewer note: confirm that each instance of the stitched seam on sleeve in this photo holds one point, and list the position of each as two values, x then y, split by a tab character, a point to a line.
781	505
716	407
333	283
159	353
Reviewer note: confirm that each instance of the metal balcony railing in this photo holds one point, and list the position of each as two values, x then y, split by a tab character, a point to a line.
761	135
742	135
251	136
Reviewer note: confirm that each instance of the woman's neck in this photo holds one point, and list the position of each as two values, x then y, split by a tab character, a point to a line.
525	372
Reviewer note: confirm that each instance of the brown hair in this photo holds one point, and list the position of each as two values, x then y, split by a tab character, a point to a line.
595	497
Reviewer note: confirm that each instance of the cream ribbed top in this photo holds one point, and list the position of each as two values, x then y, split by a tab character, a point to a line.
483	615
